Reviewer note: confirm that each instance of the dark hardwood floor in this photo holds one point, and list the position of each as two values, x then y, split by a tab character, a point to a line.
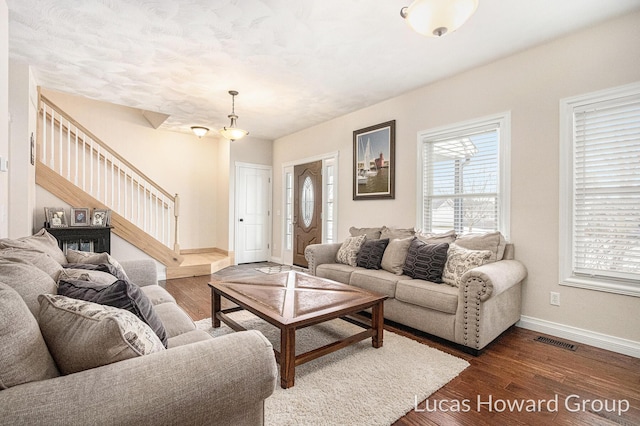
589	386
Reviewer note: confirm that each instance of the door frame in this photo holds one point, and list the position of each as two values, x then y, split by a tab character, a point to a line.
330	158
236	216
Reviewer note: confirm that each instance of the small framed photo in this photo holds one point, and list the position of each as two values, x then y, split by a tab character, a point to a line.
79	216
101	217
56	217
374	161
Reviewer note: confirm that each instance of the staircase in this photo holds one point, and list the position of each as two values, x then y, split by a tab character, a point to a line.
80	169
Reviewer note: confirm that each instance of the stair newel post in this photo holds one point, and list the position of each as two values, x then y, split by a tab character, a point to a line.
176	213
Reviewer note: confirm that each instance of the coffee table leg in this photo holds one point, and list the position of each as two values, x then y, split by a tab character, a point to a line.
215	308
287	357
377	323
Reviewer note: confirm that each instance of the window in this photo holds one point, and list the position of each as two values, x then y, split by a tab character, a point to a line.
464	177
600	191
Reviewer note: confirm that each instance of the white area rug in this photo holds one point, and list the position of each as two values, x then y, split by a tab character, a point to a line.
357	385
275	269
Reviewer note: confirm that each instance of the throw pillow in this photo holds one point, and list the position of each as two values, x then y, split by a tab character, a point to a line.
431	238
492	241
25	357
75	256
396	233
460	260
425	261
395	255
371	233
95	276
83	335
40	260
27	280
371	252
103	267
348	252
41	241
121	294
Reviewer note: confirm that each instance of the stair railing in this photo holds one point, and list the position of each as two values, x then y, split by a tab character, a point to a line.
83	159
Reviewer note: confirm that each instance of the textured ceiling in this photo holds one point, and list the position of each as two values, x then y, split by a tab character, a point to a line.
296	63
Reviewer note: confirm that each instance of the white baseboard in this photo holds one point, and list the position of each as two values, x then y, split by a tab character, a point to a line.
599	340
276	260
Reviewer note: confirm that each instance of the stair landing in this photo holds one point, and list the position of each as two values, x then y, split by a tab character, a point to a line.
198	264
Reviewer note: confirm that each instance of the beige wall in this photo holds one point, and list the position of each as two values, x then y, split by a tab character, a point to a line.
530	85
179	162
4	114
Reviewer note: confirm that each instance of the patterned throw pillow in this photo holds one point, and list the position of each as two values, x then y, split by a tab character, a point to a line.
460	260
83	335
425	261
349	250
370	254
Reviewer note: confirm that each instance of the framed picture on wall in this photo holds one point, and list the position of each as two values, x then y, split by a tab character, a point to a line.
79	216
56	217
374	161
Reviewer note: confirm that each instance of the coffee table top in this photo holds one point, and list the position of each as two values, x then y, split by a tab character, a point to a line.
297	299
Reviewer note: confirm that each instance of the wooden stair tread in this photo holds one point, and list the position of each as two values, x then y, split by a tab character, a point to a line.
199	264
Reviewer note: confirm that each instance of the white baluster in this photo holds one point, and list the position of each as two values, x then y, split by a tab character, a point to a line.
75	178
43	157
69	152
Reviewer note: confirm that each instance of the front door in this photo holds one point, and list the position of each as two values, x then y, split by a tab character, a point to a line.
253	204
307	206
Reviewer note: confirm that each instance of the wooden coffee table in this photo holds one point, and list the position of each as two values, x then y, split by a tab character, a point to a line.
293	300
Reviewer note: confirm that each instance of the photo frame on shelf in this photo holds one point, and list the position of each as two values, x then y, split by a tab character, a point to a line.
56	217
374	161
79	216
101	217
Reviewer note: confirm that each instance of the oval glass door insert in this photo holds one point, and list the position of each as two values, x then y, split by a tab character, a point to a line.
307	202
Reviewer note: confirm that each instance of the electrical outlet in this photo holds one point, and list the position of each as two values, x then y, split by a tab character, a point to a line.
555	298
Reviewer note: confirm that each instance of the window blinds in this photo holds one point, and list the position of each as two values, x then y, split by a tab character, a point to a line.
461	181
606	189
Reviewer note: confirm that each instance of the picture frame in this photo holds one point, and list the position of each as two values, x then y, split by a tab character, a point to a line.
374	162
56	217
101	217
79	216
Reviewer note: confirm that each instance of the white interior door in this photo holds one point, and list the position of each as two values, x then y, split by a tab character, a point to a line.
253	213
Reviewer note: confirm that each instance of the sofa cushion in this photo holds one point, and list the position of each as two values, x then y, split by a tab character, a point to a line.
102	267
75	256
396	233
27	280
381	281
83	335
157	294
41	241
335	271
98	277
425	261
492	241
121	294
430	295
436	238
395	255
24	354
370	233
174	319
39	259
348	252
188	338
460	260
370	254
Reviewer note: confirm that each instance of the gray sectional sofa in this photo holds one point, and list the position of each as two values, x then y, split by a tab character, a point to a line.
44	377
472	311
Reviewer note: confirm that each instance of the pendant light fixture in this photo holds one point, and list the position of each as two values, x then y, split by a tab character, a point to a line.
233	132
435	18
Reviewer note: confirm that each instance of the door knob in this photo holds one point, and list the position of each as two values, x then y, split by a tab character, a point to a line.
241	220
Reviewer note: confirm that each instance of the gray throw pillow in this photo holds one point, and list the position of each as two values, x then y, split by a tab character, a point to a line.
75	256
370	254
425	261
41	241
395	255
121	294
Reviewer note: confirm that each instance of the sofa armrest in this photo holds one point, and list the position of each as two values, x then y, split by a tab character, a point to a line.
317	254
216	381
142	272
493	278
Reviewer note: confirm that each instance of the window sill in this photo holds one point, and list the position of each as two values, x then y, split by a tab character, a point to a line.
597	284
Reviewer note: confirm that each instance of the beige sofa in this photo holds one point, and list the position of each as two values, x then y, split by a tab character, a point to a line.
196	380
486	301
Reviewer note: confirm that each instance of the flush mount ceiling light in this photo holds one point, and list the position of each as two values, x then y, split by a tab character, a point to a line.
199	130
232	132
435	18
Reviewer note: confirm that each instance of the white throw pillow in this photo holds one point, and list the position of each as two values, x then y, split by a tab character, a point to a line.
348	252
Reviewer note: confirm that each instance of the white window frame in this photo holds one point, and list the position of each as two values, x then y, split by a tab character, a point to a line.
503	122
567	276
